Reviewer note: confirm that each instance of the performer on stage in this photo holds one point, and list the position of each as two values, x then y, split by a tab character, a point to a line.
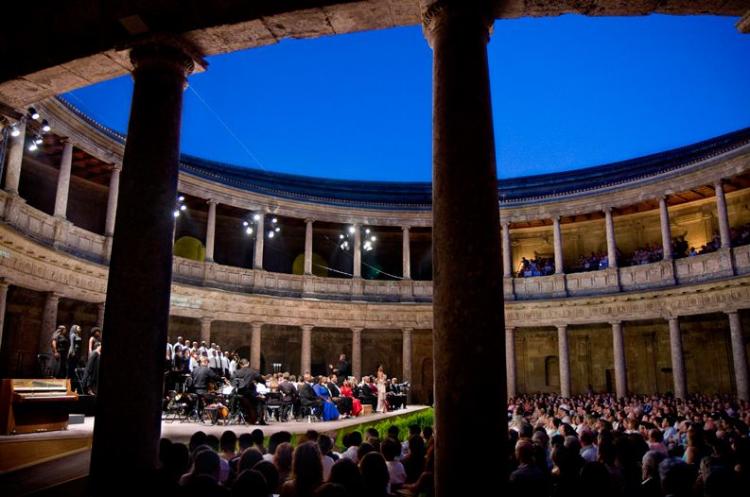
96	337
380	383
60	350
307	395
74	352
347	392
330	412
343	369
91	376
254	404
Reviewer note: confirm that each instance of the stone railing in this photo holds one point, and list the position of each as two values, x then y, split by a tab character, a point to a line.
65	236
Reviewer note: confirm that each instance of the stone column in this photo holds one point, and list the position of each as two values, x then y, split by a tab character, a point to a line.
140	273
564	353
739	356
618	344
557	236
308	246
3	300
609	228
100	314
255	345
211	230
721	213
49	323
406	353
206	329
63	180
260	234
678	360
406	253
306	348
507	251
666	232
510	359
357	250
15	158
467	277
109	222
357	353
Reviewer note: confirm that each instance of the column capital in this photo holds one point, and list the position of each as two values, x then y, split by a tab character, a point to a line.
101	305
510	329
66	140
405	228
561	327
357	329
608	209
555	218
718	183
256	324
437	13
169	49
309	220
53	296
732	311
212	201
4	283
505	224
407	330
117	167
307	327
206	320
615	323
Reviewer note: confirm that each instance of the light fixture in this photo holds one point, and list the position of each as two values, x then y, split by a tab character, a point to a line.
33	147
14	131
181	198
351	229
367	231
33	113
249	231
38	140
274	221
183	207
256	217
245	223
341	236
45	126
176	213
271	234
277	229
373	238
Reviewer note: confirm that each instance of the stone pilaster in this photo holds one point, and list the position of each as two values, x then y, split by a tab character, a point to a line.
618	347
666	231
739	356
357	353
305	356
255	345
406	253
260	235
100	315
308	246
678	359
510	360
63	180
722	215
557	237
564	353
211	230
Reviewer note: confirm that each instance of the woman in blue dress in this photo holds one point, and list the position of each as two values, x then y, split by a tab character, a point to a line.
330	413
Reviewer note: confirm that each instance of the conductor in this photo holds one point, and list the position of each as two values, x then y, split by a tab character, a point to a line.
343	368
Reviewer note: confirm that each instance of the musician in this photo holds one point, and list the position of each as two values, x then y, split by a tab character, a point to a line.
289	396
367	392
60	350
202	376
396	394
343	368
344	404
91	376
254	404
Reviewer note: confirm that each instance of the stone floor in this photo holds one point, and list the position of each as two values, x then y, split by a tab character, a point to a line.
72	466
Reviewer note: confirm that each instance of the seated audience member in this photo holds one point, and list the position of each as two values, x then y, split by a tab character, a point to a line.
307	472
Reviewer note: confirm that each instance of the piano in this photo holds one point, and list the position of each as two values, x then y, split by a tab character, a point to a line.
32	406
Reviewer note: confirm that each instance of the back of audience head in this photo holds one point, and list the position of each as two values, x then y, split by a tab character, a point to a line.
250	483
364	448
390	448
270	473
198	438
307	467
346	473
249	458
375	474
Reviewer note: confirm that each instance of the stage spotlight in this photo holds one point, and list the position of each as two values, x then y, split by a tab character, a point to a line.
176	213
351	229
45	126
33	113
249	231
14	131
33	147
256	217
271	234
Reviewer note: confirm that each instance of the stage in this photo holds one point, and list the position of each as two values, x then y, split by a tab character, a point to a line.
30	463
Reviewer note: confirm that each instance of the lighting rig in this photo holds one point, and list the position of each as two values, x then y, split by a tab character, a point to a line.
346	239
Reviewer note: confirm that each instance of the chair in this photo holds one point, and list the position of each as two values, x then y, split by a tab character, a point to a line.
177	407
312	413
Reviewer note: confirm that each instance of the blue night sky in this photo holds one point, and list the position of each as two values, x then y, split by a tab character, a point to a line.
567	92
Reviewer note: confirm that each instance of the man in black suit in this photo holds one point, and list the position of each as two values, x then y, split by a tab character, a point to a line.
289	396
254	405
343	369
343	404
91	376
307	396
202	376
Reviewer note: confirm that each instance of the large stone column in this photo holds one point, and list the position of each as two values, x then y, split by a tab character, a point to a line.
739	356
609	229
507	251
15	158
406	348
109	222
100	314
722	215
666	231
467	278
564	353
406	253
357	353
618	345
255	345
128	407
206	329
3	300
305	356
49	323
308	245
510	359
211	230
678	360
357	251
557	237
260	234
63	180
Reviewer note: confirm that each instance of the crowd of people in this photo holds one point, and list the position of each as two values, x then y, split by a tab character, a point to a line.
538	266
70	359
644	446
215	377
365	465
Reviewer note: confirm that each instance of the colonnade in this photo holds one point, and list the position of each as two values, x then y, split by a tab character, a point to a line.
679	377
